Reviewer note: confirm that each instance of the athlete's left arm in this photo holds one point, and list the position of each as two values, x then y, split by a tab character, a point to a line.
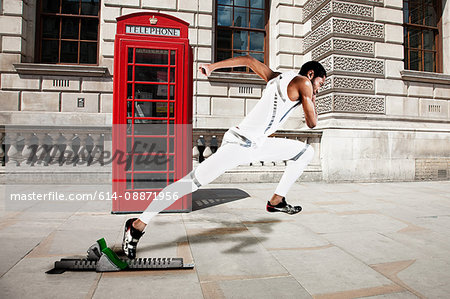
258	67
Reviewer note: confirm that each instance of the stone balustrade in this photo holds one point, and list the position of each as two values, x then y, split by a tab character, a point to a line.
84	154
55	154
54	146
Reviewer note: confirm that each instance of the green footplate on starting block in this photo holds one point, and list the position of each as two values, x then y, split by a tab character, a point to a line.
102	259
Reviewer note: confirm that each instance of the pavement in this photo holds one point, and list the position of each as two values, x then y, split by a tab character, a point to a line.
352	240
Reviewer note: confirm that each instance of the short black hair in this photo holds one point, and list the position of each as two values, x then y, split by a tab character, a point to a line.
319	70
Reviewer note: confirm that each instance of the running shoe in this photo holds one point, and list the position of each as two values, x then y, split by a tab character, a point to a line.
131	237
283	207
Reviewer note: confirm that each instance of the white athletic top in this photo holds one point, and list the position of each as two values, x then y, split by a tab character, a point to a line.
272	110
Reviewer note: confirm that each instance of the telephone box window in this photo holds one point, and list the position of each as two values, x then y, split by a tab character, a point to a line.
67	31
150	56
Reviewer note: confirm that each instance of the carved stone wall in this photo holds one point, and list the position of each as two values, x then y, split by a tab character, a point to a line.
322	50
358	28
358	65
340	44
353	65
356	103
353	83
327	64
338	8
327	85
337	27
323	13
351	103
311	7
318	34
324	104
343	46
339	83
353	9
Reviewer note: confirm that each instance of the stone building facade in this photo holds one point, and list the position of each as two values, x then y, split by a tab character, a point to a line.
377	120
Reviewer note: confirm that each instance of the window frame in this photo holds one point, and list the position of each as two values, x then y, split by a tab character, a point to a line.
437	42
39	33
233	28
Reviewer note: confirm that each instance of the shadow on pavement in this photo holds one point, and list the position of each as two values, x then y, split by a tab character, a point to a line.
206	198
228	235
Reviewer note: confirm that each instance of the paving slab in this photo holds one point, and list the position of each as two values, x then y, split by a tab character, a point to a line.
284	234
428	243
372	247
146	284
19	237
263	288
429	277
28	280
329	270
230	253
15	249
402	295
332	223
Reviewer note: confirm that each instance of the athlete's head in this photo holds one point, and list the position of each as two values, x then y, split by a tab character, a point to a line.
315	72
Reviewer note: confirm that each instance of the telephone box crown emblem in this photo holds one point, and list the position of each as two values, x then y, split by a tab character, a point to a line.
153	20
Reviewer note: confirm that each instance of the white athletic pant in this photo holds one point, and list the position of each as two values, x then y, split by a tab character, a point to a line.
234	152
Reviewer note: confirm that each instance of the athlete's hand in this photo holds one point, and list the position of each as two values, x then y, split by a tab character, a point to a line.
205	69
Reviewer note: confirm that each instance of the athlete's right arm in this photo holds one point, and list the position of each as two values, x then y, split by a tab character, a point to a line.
305	90
258	67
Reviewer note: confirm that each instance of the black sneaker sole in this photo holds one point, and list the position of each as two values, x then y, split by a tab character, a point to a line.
287	210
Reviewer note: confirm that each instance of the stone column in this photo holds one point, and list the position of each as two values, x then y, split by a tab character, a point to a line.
343	38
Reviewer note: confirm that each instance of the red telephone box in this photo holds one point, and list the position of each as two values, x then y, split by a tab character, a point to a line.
152	115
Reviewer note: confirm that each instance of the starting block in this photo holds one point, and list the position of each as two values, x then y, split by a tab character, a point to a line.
101	258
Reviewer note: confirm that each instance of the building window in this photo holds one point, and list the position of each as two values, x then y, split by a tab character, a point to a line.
67	31
241	29
422	35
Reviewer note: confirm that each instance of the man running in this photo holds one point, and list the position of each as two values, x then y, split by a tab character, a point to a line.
249	141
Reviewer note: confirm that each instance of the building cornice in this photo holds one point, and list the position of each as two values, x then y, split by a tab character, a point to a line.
428	77
61	70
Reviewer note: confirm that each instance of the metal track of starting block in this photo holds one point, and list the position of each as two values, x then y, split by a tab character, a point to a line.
102	259
107	266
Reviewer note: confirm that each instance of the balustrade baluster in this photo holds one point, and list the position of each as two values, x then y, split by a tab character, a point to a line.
70	156
201	145
84	152
2	151
14	153
207	152
214	144
45	145
195	153
56	153
30	148
98	149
